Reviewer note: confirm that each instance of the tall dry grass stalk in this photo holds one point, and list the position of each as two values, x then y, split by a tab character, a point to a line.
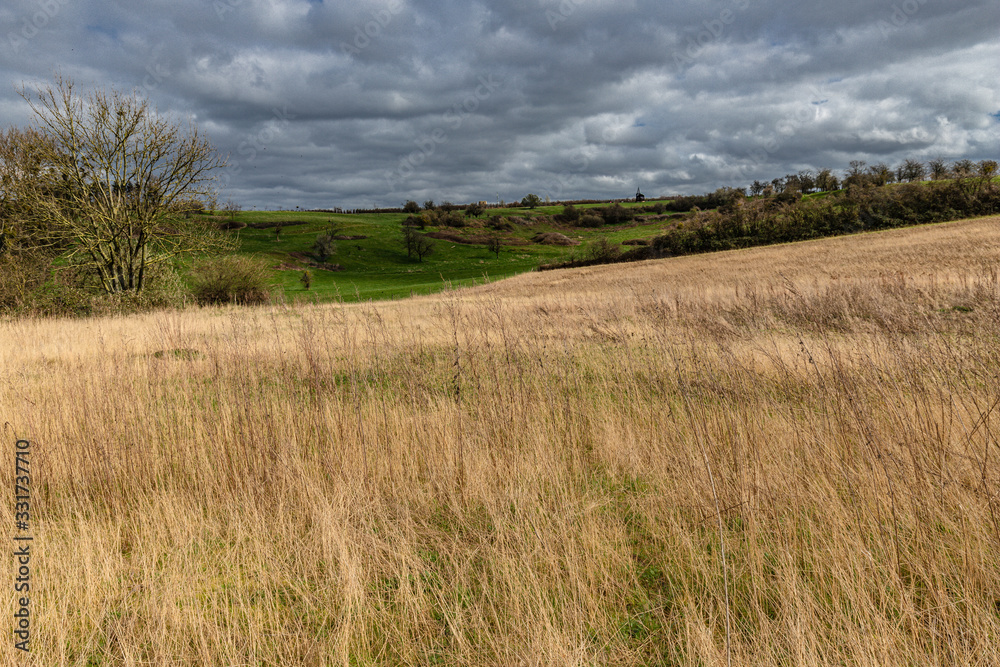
522	474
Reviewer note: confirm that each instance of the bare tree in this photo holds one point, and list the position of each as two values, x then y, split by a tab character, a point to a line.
116	179
938	169
232	209
827	181
416	243
911	170
880	174
963	168
495	244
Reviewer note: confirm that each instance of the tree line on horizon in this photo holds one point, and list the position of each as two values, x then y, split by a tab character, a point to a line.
732	218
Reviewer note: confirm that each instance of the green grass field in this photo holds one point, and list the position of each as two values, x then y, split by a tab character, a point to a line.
377	267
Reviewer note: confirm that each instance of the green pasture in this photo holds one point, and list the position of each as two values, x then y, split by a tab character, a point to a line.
377	266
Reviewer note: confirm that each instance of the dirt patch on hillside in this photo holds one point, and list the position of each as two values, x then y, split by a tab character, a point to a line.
474	239
554	238
269	225
307	262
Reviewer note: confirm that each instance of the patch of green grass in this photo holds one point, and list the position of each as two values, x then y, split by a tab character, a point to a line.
377	267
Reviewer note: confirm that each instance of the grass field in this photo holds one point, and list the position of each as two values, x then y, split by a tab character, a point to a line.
377	267
779	456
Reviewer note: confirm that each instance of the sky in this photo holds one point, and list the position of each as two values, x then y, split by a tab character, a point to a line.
322	104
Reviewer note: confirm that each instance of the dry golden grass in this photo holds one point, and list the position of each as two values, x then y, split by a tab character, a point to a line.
542	471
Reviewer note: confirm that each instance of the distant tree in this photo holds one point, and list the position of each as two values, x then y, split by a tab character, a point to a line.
495	244
474	210
911	170
423	247
531	201
306	279
986	170
857	169
232	209
807	181
880	174
429	205
826	181
938	169
411	207
792	184
416	244
324	246
963	168
757	188
447	206
855	175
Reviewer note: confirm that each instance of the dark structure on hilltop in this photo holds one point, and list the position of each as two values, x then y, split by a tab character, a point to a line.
639	196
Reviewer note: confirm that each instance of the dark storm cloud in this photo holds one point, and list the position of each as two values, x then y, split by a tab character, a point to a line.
322	103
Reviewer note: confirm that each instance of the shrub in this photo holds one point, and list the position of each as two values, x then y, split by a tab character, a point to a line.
603	250
616	214
570	215
591	221
531	201
495	244
325	246
474	210
411	207
231	279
